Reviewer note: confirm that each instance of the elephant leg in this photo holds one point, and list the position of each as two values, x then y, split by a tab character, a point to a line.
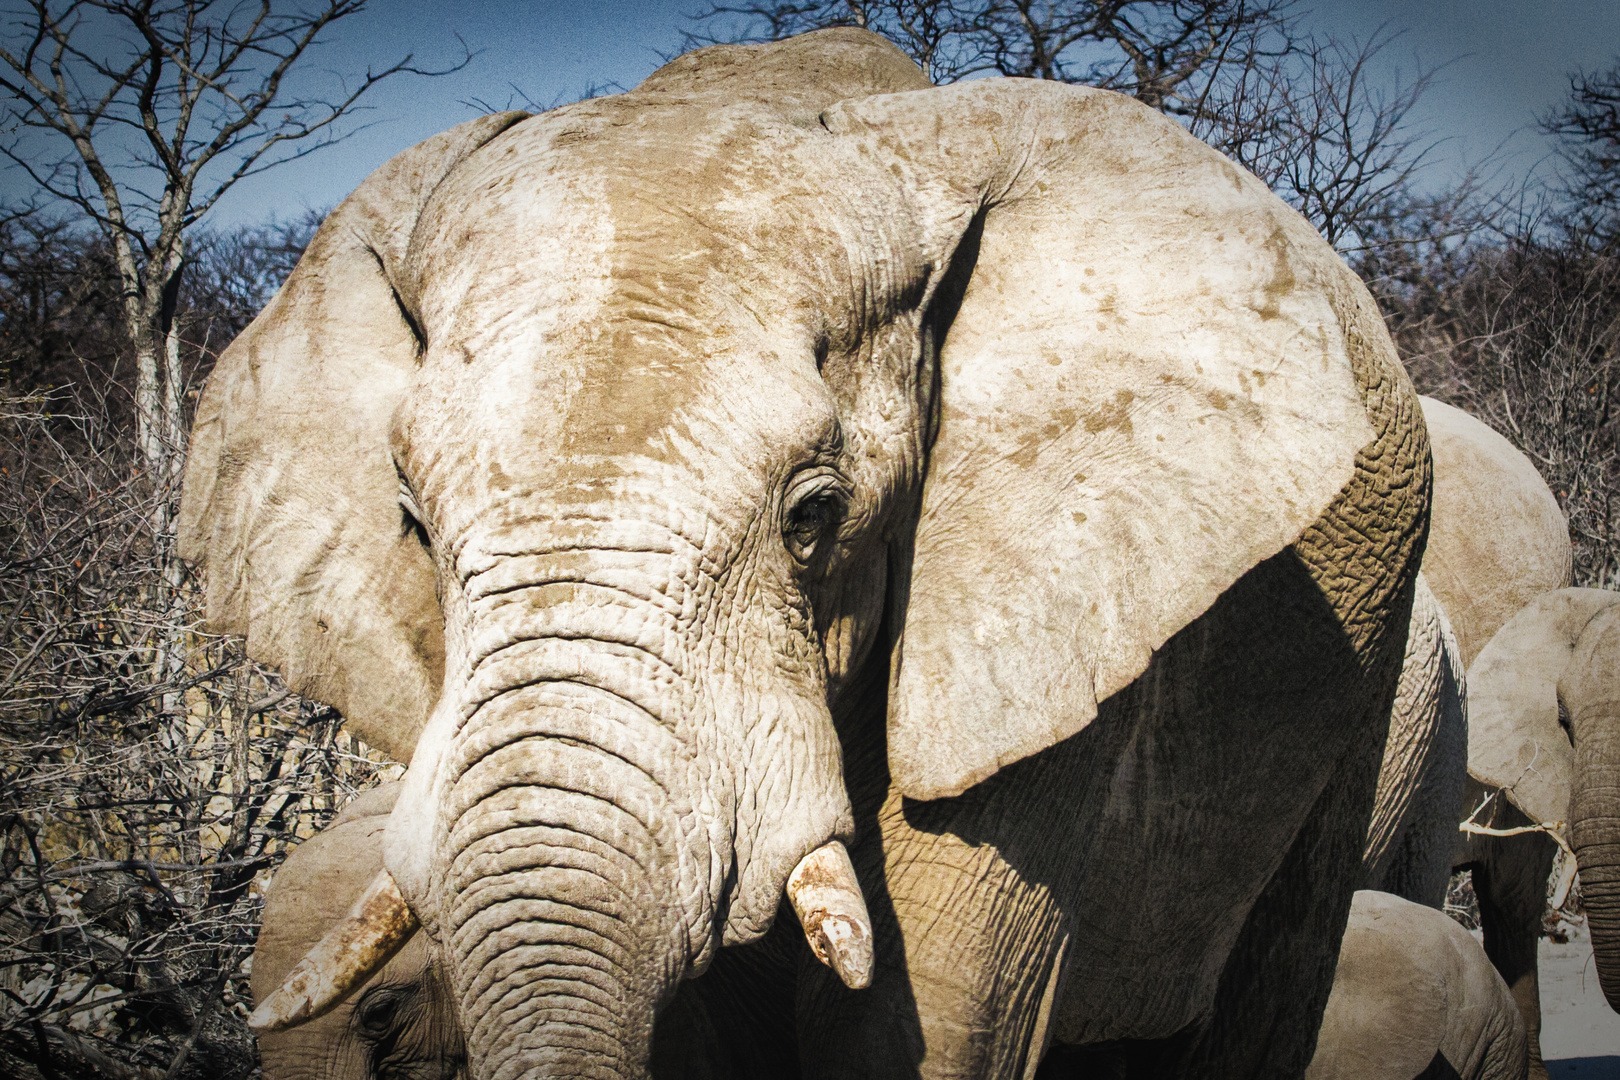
1510	879
1420	869
1285	939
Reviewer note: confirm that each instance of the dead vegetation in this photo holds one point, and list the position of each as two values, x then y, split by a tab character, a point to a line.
150	778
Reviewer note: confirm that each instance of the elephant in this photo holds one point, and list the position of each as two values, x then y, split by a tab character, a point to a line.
1412	990
1497	537
945	517
1497	541
1415	996
1545	749
401	1022
1411	838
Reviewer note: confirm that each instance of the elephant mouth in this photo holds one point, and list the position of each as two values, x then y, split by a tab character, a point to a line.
822	889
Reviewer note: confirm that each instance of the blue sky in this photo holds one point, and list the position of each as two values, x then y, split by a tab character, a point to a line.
1506	62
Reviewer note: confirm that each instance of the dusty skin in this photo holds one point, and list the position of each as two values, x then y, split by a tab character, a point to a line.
1374	1023
992	478
1498	552
1415	996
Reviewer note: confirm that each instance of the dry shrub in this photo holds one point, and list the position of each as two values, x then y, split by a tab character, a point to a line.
150	778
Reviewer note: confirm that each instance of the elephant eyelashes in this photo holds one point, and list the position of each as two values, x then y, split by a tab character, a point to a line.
412	514
816	508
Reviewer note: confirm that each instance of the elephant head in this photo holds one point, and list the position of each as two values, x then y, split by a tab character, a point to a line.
401	1021
1589	699
1545	730
596	462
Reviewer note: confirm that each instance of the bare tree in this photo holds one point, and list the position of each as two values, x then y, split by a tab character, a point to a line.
1159	50
1323	129
1588	125
150	778
134	844
141	115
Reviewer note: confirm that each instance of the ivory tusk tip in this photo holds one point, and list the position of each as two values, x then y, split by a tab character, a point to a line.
827	898
377	926
846	947
290	1004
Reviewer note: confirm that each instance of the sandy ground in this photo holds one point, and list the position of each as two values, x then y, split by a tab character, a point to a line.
1580	1034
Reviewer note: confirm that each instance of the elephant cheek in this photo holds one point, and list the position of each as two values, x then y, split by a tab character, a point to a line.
316	1049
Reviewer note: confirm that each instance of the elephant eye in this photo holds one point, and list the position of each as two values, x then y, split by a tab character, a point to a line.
374	1015
815	508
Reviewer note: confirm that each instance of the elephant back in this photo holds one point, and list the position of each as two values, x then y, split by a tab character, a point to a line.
1497	539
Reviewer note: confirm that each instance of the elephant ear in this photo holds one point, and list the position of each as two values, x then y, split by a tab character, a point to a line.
1147	389
1514	740
291	499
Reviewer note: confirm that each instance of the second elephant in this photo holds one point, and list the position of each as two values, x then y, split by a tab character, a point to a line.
1546	716
1414	996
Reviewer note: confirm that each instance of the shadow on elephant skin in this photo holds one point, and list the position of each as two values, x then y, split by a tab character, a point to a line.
1131	794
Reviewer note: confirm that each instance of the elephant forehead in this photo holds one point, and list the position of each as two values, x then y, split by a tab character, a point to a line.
652	280
680	224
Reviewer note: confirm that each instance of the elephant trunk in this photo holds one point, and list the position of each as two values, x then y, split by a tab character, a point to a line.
1594	815
566	922
578	882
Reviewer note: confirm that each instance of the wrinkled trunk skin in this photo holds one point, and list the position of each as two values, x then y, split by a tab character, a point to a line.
1594	815
629	758
577	886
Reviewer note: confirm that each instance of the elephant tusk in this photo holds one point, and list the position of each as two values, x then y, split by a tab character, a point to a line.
375	928
828	901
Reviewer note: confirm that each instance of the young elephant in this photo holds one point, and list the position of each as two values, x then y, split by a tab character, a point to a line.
401	1022
1414	996
789	480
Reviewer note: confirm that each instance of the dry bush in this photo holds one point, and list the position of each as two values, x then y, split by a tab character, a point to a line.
150	778
1522	332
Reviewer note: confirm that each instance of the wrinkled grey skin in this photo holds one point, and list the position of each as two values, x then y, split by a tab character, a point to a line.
1413	834
1497	543
991	477
1589	695
1415	996
402	1022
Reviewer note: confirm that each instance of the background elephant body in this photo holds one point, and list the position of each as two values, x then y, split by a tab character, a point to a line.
1412	838
1545	701
402	1021
1498	557
1414	996
1498	549
785	453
